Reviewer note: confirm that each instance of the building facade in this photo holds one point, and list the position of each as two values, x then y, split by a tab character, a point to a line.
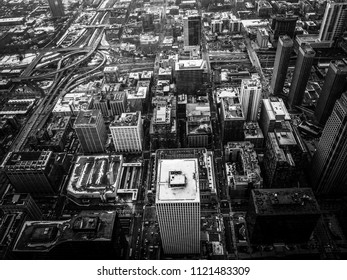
178	205
251	93
127	133
91	131
301	75
32	172
283	53
57	8
334	21
192	30
334	84
282	216
328	168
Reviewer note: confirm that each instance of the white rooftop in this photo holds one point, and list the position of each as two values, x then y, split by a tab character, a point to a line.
189	193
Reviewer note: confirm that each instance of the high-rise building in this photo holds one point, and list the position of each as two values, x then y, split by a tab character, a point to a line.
284	50
273	112
282	215
253	134
328	170
178	205
32	172
91	131
127	132
280	168
192	30
206	179
334	21
198	125
301	75
190	75
283	25
241	181
335	83
251	93
20	202
57	8
163	128
232	118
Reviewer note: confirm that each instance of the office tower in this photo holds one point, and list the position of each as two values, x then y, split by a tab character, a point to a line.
87	235
262	38
251	92
190	75
20	202
334	21
206	177
192	30
283	25
335	83
91	131
232	118
282	216
57	8
301	75
329	163
32	172
279	165
127	132
273	112
111	100
283	52
178	205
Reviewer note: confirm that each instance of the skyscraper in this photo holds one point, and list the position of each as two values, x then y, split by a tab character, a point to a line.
283	25
91	131
334	21
284	50
127	132
273	113
57	8
192	30
329	163
178	205
190	75
335	83
301	74
250	97
282	215
32	172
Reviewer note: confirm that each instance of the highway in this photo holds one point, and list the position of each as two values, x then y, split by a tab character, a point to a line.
42	112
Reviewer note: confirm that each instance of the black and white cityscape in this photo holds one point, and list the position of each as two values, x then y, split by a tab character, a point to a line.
173	129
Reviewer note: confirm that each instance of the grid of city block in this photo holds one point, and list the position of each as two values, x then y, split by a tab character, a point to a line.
173	129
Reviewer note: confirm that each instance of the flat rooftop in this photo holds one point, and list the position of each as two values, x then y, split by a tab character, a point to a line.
95	175
190	64
26	160
127	119
276	109
340	66
87	117
292	201
167	193
42	236
232	108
